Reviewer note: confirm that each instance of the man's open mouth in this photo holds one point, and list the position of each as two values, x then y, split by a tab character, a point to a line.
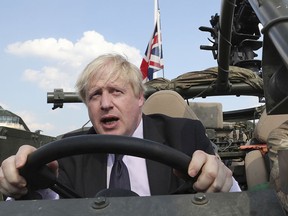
109	120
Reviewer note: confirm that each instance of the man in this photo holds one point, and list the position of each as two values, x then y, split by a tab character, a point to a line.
113	92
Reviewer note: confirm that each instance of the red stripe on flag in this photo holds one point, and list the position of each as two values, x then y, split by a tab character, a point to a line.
144	68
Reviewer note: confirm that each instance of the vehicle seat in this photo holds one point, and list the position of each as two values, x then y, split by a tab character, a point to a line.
256	170
169	103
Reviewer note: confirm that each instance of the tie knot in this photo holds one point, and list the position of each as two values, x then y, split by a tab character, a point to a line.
118	157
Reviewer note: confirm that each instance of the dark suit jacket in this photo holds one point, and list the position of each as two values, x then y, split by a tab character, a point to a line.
87	174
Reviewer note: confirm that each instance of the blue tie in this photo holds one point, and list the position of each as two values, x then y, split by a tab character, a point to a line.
119	177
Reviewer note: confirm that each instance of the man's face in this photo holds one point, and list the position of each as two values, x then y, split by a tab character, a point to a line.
112	106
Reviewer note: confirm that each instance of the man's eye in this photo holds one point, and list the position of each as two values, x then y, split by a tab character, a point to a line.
116	91
94	95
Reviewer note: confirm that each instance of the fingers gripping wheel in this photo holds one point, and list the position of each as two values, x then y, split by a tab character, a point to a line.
38	174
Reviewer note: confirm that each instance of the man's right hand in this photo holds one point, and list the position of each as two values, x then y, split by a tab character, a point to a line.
11	183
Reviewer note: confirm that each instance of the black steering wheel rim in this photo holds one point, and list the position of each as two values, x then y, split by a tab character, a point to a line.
95	143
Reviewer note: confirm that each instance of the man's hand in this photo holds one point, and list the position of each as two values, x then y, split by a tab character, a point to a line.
214	176
11	183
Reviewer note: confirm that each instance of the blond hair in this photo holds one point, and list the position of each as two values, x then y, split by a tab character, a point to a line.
114	66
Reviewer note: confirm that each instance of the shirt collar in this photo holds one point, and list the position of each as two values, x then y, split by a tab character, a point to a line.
138	133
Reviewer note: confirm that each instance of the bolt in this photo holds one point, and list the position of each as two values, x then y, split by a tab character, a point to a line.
100	202
199	199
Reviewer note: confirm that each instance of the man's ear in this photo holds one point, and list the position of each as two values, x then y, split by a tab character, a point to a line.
141	100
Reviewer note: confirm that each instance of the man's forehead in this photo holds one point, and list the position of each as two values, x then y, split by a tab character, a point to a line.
112	82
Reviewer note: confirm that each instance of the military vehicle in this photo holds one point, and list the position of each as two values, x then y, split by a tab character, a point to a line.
237	135
14	132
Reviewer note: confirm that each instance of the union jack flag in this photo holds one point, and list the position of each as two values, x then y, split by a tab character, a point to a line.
153	59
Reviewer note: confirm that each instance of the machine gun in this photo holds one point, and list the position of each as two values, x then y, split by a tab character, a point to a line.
235	37
245	35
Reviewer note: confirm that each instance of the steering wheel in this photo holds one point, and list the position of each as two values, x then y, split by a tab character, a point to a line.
38	175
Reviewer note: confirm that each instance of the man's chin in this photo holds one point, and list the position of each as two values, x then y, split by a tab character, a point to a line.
114	132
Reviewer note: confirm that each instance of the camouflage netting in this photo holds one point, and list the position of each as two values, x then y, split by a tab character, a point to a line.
207	77
160	84
277	140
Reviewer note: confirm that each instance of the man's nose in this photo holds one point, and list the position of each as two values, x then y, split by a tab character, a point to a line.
106	101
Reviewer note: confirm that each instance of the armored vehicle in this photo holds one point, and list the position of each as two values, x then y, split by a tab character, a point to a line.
14	132
249	141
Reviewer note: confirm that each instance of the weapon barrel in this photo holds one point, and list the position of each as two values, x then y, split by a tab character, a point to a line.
58	98
226	21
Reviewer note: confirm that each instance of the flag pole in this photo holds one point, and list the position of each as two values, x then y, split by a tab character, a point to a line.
157	22
156	8
155	74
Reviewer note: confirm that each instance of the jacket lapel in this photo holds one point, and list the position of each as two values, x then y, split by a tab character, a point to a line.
101	176
159	175
100	168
